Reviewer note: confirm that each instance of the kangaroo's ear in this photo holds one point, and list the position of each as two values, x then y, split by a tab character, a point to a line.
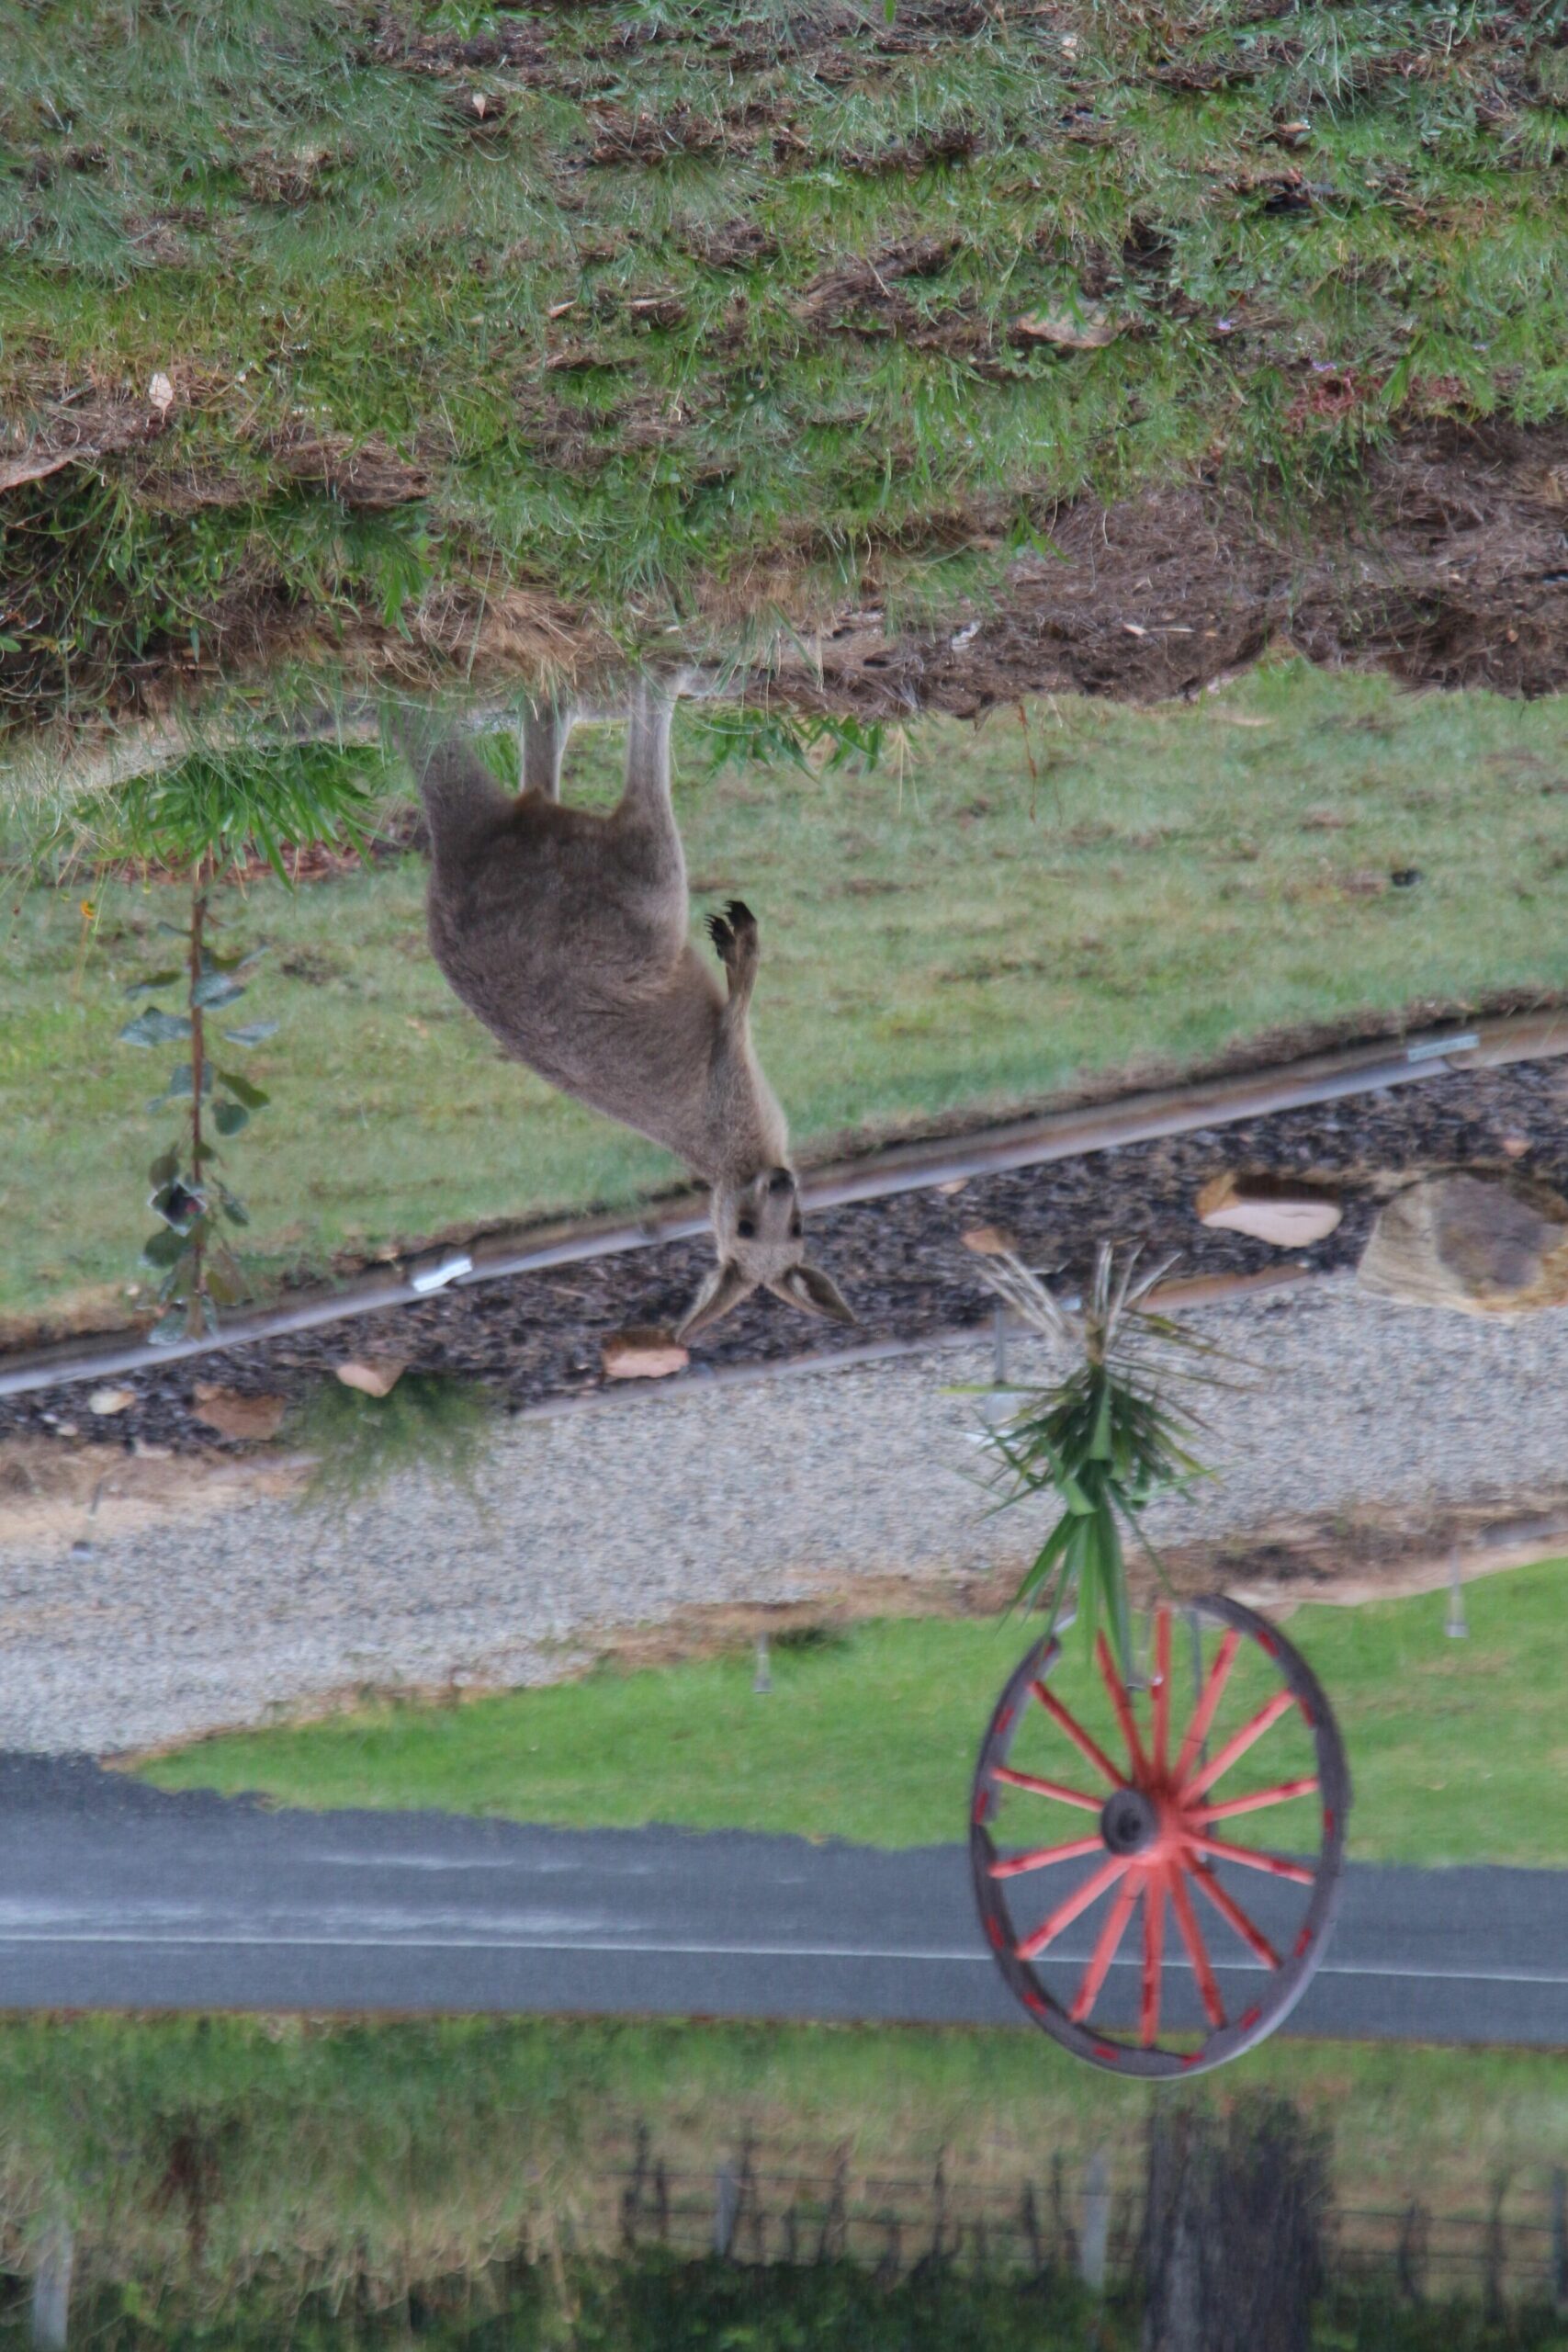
810	1287
725	1288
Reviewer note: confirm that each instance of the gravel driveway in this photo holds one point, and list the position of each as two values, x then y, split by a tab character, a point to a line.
748	1492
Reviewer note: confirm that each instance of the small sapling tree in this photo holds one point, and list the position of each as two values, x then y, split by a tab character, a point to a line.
201	821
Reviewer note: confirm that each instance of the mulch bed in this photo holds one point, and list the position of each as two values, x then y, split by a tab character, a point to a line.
901	1262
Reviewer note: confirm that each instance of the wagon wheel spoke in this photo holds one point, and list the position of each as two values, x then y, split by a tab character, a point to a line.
1040	1787
1153	1952
1253	1858
1280	1793
1014	1865
1123	1707
1235	1916
1105	1951
1238	1744
1077	1733
1196	1950
1203	1713
1072	1907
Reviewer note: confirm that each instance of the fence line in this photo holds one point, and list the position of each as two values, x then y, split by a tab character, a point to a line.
1086	2221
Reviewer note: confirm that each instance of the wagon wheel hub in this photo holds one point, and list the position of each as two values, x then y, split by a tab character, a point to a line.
1129	1822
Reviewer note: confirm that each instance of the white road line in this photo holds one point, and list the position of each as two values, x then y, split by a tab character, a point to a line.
1400	1970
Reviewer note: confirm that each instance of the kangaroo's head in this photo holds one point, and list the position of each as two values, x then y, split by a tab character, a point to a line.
762	1246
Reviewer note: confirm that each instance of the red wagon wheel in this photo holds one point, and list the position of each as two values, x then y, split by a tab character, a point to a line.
1058	1894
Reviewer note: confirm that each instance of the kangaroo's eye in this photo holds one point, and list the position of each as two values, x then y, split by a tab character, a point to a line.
746	1230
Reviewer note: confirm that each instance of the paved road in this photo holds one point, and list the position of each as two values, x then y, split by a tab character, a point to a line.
115	1896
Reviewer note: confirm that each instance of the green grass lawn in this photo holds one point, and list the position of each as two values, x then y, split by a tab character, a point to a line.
1456	1748
709	308
948	931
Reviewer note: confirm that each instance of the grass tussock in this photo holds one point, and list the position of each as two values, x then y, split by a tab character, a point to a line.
442	1428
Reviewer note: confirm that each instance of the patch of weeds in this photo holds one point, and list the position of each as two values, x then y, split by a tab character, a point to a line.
810	1640
445	1428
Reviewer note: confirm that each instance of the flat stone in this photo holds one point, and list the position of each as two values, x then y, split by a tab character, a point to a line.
1482	1245
990	1240
642	1355
376	1379
1281	1210
111	1400
233	1414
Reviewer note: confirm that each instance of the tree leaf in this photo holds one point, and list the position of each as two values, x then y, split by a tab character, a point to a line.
179	1087
236	1211
178	1205
215	989
243	1091
211	963
230	1117
164	1168
155	1027
156	980
164	1248
253	1034
168	1328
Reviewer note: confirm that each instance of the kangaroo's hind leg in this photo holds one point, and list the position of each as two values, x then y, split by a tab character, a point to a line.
464	805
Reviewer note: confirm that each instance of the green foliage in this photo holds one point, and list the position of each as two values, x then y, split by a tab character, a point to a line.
199	1271
740	736
441	1427
214	808
1103	1442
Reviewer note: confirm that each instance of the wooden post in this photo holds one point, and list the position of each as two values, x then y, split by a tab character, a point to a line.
51	2289
726	2208
1559	2194
1096	2236
1412	2256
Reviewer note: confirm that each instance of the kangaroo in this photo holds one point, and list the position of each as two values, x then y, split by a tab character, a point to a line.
566	933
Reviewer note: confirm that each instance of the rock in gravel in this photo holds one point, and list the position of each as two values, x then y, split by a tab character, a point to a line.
377	1379
111	1400
1283	1210
1482	1245
990	1240
642	1355
233	1414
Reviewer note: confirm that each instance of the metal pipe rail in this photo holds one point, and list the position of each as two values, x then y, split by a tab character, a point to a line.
899	1167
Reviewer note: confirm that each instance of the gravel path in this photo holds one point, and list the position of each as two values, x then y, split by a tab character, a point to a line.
751	1493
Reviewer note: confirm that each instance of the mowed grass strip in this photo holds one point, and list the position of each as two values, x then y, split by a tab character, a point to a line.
990	917
1455	1747
714	309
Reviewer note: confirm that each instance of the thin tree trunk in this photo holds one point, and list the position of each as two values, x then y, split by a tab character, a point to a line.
1233	2251
197	1072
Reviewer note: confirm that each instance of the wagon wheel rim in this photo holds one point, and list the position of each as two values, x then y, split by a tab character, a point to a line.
1153	1841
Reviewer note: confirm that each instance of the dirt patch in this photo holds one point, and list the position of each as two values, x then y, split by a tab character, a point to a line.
54	1493
901	1262
1452	572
